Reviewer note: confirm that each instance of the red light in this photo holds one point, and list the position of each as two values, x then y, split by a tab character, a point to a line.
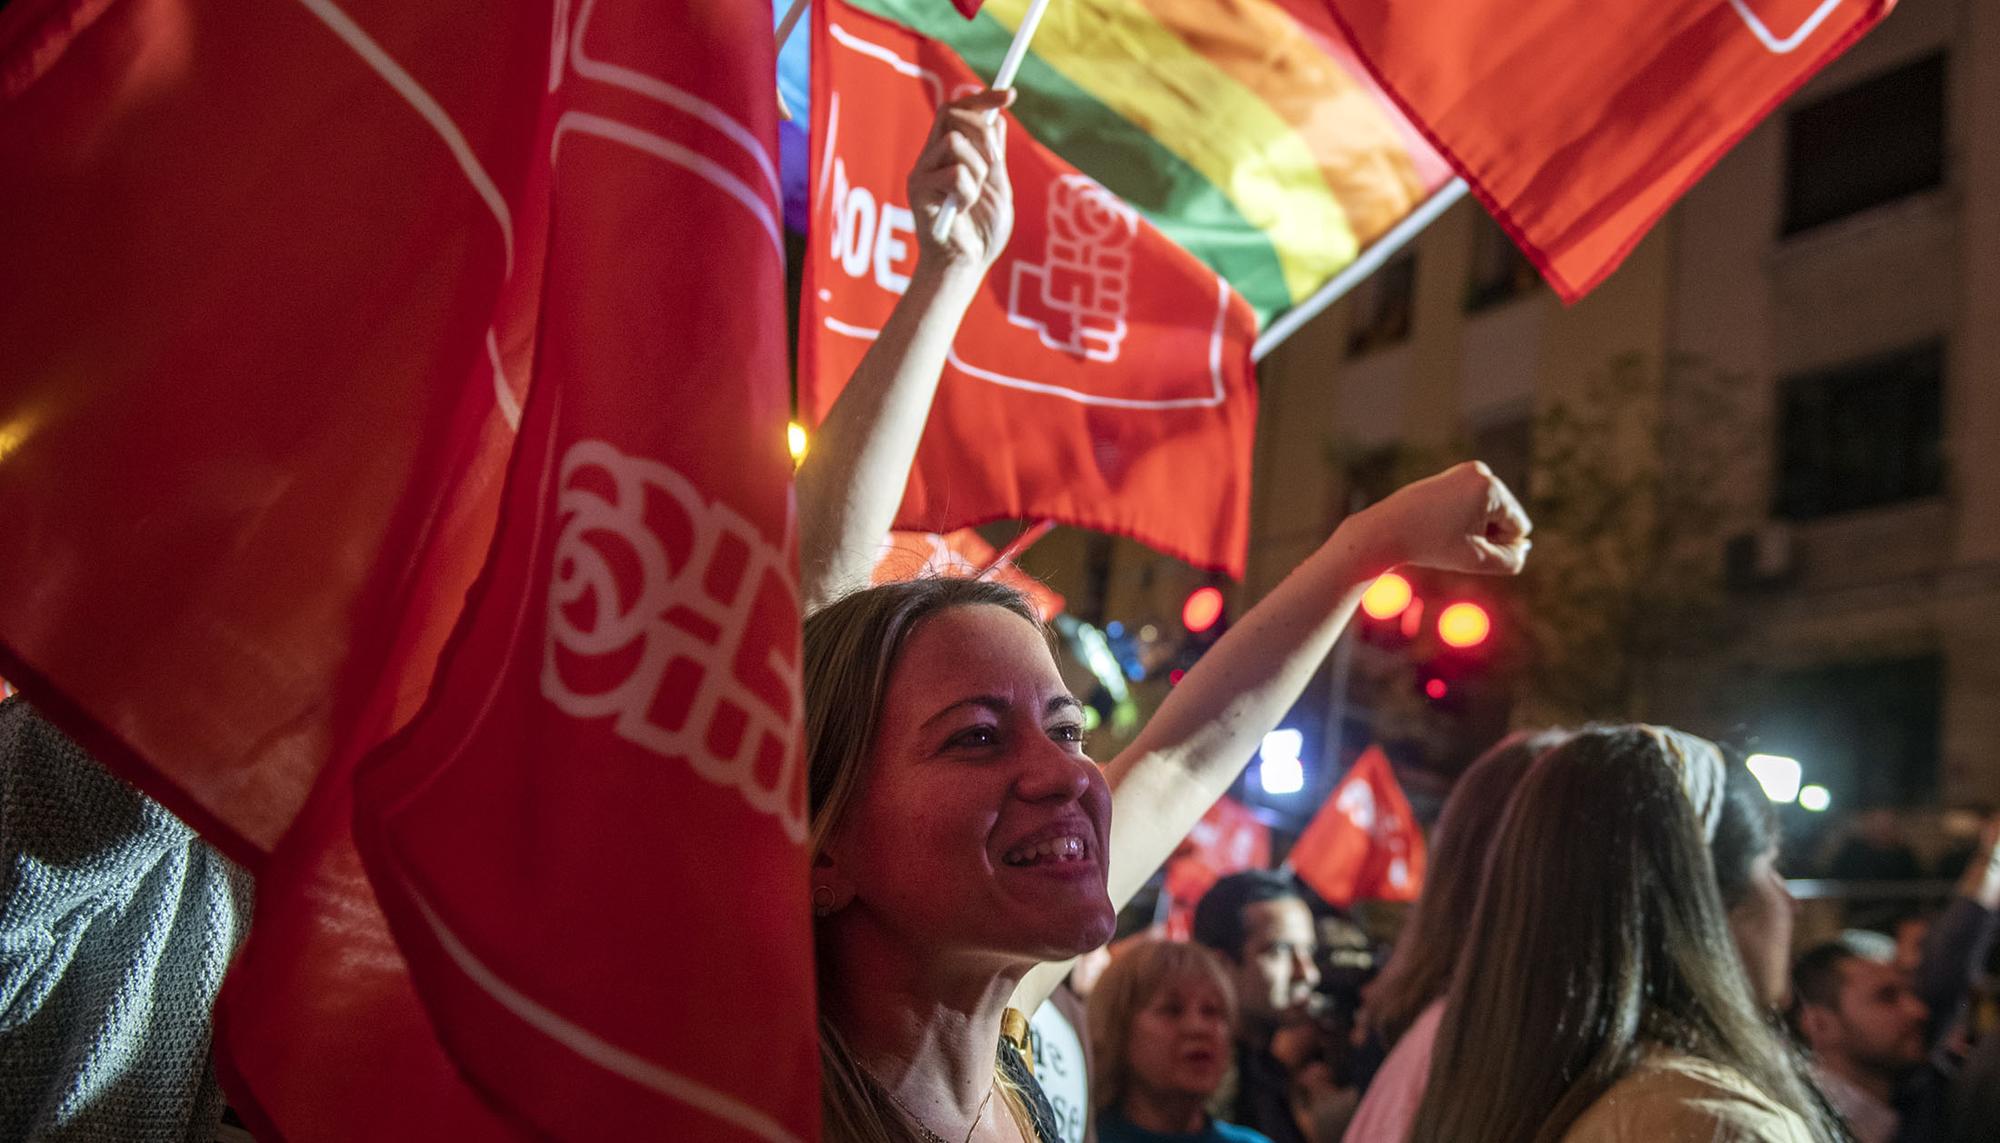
1436	688
1175	676
1202	609
1387	597
1464	625
1413	618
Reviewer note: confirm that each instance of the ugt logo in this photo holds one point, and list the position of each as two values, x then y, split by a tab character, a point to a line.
675	618
1076	298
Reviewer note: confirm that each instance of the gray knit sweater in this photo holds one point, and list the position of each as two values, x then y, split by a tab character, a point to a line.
116	924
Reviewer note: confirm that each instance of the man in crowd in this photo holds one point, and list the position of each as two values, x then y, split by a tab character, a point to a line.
1865	1027
1263	930
1875	1029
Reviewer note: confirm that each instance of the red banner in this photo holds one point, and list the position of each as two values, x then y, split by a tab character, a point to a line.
1364	843
1228	839
278	278
1579	123
1101	379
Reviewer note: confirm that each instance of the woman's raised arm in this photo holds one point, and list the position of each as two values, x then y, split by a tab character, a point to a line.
852	480
1463	519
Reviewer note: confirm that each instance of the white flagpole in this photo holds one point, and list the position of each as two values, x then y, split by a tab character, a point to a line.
1010	65
1371	259
790	21
785	27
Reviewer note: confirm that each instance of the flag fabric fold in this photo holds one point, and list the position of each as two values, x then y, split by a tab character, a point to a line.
339	331
1249	136
913	555
1228	839
1578	123
1102	376
1363	844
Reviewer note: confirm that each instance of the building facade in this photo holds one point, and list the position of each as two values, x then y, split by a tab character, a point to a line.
1811	337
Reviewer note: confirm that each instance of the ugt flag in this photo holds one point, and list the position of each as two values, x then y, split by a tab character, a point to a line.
1579	122
314	310
1363	844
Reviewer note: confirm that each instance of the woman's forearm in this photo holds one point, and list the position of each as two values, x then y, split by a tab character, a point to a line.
1212	723
853	478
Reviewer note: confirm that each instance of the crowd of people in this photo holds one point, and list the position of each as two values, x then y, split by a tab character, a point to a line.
1603	952
1603	949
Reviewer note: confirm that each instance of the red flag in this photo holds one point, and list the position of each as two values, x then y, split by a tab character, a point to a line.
1102	377
1228	839
1363	844
1579	123
910	555
278	277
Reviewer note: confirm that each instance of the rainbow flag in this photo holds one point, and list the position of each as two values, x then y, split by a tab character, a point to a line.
1245	130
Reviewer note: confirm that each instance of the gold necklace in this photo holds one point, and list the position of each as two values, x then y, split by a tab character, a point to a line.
916	1120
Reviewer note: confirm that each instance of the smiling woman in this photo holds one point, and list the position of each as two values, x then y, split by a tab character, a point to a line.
958	839
963	844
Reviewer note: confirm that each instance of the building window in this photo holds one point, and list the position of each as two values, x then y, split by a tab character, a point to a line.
1371	476
1383	307
1508	448
1500	271
1875	142
1863	435
1867	731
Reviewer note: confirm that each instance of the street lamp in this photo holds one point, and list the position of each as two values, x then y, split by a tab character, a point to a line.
1279	770
1778	775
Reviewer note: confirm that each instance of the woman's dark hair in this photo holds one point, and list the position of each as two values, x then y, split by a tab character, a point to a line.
1747	831
1420	969
1599	936
1218	916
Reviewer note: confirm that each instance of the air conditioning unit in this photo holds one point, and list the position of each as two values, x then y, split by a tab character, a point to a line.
1765	556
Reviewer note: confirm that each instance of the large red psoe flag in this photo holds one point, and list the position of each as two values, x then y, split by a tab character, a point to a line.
1579	122
342	335
1102	378
1364	843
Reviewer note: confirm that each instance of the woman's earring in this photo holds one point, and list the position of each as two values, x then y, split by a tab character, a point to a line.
822	898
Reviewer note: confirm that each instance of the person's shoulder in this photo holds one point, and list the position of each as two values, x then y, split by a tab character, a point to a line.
1237	1133
1674	1098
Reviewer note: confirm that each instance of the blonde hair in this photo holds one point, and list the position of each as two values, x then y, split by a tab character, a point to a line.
1137	975
851	649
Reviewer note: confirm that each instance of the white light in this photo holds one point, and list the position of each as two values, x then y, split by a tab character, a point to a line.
1278	767
1778	775
1815	798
